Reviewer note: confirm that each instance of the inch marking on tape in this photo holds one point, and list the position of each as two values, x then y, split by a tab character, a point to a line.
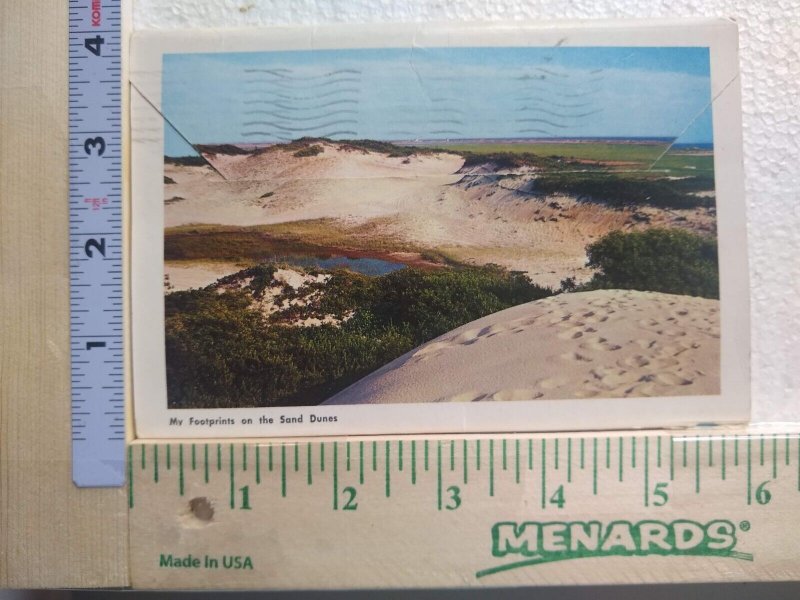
95	234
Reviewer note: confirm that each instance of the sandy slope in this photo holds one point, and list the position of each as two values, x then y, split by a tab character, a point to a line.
186	275
608	343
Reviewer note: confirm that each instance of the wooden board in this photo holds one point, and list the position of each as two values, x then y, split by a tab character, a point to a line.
51	533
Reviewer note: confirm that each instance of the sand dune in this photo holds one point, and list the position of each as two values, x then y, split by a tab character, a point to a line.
427	201
608	343
336	161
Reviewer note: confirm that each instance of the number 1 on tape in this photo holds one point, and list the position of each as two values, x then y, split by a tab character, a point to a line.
95	233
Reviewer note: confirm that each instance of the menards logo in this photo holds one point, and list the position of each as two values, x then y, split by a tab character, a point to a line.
536	543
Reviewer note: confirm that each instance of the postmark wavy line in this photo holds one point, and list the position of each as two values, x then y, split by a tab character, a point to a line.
300	129
283	96
285	117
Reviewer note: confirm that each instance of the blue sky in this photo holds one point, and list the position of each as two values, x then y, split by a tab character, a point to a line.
437	93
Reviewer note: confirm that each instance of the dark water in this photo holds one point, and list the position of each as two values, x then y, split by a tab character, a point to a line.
365	266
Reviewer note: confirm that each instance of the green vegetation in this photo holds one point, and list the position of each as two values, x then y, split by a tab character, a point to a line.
672	261
620	192
223	352
322	237
185	161
229	149
508	160
311	150
303	144
620	156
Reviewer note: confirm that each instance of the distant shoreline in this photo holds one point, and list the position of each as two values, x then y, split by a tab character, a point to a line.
433	143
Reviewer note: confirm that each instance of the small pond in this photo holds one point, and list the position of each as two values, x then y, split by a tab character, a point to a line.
365	266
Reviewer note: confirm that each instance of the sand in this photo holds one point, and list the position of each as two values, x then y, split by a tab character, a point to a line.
428	201
604	344
186	275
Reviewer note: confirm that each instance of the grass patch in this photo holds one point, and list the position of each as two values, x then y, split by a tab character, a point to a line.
595	151
315	236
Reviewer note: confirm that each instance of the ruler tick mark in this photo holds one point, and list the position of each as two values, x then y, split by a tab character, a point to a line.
257	450
491	467
413	462
231	474
569	460
309	463
180	469
439	475
155	463
544	472
464	451
283	470
388	474
749	473
724	458
360	462
335	475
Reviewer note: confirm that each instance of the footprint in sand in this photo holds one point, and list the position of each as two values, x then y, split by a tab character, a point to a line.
430	351
642	389
664	363
575	357
571	334
611	378
637	361
672	379
648	323
673	350
600	344
552	383
645	344
671	332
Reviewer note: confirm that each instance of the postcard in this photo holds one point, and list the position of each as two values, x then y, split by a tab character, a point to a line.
437	228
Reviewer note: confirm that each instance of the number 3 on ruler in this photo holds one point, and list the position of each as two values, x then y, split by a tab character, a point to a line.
97	142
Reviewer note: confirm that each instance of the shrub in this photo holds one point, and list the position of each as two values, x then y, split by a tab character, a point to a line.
619	192
673	261
311	150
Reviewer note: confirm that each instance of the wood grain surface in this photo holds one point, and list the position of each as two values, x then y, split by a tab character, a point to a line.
51	533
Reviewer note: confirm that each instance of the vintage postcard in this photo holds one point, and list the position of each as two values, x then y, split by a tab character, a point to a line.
417	229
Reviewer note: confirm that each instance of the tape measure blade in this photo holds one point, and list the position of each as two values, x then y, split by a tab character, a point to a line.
95	253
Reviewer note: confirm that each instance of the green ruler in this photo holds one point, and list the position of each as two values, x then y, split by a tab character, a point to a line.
445	512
